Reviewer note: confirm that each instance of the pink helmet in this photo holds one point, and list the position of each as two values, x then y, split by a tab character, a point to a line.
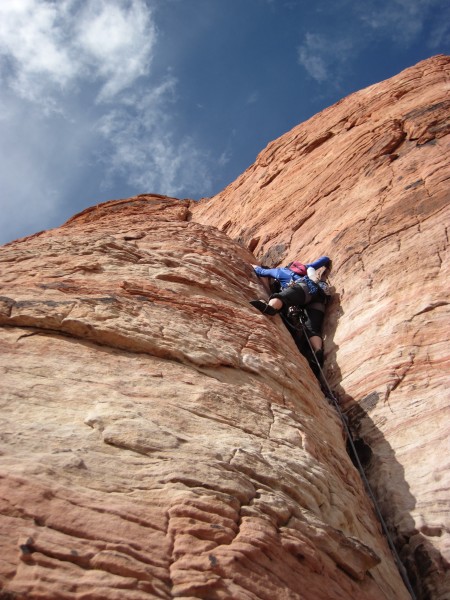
298	268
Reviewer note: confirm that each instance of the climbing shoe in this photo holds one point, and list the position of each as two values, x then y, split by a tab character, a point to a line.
263	307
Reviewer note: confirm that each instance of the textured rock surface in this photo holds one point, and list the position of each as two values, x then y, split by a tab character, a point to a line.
366	181
160	438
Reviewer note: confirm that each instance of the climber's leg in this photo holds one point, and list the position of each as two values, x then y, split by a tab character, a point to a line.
268	308
291	296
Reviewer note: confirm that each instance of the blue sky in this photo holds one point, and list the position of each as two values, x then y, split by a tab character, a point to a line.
105	99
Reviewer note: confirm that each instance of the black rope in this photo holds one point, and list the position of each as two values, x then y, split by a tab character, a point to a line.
400	565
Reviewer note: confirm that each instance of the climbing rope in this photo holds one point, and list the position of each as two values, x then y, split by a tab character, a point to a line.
400	565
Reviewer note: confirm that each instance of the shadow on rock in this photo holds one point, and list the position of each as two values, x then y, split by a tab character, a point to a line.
386	476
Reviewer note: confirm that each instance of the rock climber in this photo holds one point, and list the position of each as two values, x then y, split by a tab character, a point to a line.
312	317
302	298
297	286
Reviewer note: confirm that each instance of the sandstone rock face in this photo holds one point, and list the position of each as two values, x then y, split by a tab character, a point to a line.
366	182
162	439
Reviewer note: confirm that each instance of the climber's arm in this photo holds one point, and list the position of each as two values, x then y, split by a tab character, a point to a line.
262	272
323	261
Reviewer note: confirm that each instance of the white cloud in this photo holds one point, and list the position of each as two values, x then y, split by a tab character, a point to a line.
41	157
116	41
224	158
322	55
142	145
32	43
80	109
49	45
309	55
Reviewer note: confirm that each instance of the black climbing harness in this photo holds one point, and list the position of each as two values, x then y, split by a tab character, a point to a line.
332	397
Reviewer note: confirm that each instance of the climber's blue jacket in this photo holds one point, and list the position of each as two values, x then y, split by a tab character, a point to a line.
285	276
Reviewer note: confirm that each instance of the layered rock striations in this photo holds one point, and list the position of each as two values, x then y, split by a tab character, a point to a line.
366	182
160	438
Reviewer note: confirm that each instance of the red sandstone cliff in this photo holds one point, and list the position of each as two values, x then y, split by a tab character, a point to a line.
163	439
366	182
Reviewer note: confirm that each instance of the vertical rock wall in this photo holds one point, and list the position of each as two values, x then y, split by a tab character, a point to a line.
160	438
366	182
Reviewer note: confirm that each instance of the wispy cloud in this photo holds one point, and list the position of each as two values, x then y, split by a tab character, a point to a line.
51	47
399	20
41	158
327	53
440	34
141	144
253	97
322	55
79	74
116	42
